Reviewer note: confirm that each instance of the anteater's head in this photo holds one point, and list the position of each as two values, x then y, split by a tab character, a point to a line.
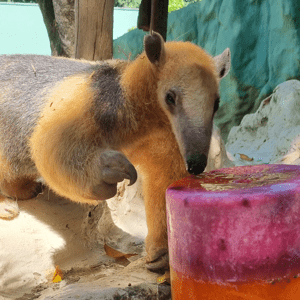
188	91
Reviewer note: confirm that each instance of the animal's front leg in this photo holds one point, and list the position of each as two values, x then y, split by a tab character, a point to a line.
160	164
157	238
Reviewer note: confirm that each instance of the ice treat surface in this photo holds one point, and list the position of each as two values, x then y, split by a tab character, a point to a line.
236	224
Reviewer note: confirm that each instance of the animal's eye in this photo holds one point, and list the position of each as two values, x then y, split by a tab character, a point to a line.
171	98
217	102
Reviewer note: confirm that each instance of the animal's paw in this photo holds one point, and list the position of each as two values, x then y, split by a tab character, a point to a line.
9	209
157	260
115	167
21	189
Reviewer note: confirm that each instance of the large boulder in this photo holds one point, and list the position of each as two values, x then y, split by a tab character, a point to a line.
264	39
272	133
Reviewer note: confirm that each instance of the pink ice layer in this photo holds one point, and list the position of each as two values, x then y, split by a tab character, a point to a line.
236	224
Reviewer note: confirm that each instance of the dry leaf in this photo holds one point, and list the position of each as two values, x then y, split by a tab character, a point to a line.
34	70
56	279
91	76
115	253
266	101
245	157
58	275
164	278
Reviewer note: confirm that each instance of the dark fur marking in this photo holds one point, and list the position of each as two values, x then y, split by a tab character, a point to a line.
109	100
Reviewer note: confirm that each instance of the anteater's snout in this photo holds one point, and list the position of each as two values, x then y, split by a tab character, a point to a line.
196	163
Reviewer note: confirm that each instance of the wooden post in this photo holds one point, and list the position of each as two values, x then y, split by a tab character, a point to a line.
94	29
160	19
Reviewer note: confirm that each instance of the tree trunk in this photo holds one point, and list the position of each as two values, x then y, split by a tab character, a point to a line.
160	17
65	20
94	29
46	7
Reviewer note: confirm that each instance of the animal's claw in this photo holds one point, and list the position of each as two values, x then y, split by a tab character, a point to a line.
116	167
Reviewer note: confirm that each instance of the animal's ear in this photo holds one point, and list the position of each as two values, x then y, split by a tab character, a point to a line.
154	48
223	62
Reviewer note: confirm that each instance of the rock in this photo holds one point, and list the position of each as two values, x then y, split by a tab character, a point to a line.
218	157
264	40
128	210
272	133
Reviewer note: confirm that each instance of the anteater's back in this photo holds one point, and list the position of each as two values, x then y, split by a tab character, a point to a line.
24	82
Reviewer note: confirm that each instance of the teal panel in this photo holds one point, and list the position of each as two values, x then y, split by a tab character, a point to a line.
22	29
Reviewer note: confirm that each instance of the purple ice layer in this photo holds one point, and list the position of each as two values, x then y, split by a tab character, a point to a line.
236	234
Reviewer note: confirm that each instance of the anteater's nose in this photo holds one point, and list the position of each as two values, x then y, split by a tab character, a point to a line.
196	163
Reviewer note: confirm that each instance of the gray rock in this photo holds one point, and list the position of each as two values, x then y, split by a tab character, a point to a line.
272	133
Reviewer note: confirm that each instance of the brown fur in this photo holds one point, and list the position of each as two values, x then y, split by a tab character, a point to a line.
160	163
121	106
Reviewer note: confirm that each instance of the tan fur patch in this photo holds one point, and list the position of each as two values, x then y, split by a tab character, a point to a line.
66	116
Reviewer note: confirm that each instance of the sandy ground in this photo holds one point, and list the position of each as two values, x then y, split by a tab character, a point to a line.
51	231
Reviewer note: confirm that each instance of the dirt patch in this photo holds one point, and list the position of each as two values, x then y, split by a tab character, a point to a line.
51	231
